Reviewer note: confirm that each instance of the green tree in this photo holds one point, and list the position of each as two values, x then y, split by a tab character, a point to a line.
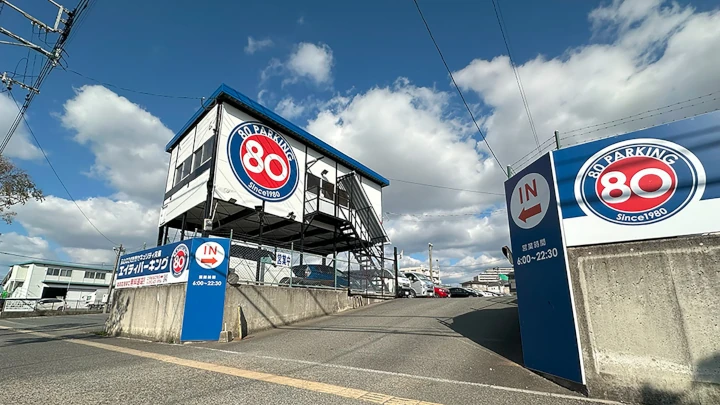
16	187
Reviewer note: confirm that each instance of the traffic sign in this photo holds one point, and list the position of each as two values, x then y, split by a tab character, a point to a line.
530	200
209	255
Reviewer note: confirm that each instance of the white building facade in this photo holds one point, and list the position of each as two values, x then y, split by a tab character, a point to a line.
48	279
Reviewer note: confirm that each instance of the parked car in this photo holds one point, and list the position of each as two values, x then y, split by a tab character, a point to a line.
421	284
457	292
474	293
442	292
49	304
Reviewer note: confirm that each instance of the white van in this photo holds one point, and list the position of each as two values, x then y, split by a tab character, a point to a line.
421	284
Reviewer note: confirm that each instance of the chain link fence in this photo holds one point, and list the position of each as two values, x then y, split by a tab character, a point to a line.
253	263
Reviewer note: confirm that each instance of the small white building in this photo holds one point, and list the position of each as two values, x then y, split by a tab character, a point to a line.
49	279
425	271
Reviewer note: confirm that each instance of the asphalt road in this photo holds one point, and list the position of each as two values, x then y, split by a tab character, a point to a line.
446	351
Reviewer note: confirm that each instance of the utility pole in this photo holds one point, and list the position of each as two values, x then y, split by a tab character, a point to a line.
61	28
119	250
430	246
437	262
396	271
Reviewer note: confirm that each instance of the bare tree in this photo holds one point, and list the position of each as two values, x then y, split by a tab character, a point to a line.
16	187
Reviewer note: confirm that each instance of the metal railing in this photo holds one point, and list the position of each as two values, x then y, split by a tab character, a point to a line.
253	263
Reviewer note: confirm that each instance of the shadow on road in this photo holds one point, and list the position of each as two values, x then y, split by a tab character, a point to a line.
496	329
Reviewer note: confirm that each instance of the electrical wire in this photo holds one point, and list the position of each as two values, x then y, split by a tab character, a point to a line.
650	116
37	142
53	260
446	188
456	85
130	90
506	40
639	114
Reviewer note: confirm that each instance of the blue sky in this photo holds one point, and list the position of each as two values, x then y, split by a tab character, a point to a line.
189	48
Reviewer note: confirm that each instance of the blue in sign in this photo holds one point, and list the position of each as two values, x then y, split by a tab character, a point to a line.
205	294
547	320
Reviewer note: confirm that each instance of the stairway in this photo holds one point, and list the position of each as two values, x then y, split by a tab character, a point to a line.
363	226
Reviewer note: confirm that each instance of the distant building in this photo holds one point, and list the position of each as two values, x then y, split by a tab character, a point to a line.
49	279
426	271
491	280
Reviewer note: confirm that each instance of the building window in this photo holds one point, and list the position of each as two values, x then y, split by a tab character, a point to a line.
313	183
100	276
183	170
52	272
203	154
65	273
89	274
343	198
328	190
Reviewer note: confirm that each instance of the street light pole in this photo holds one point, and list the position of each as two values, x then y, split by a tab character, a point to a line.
430	246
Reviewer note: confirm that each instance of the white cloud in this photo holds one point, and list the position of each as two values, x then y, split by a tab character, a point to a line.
127	141
301	20
19	246
59	220
289	109
312	62
20	146
408	132
255	45
83	255
656	55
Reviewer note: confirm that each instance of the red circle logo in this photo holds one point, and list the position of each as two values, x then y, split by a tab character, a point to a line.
265	161
636	184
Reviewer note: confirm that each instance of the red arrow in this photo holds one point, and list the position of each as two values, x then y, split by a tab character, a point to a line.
530	212
210	260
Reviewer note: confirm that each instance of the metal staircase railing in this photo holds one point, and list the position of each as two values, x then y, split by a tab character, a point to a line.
360	203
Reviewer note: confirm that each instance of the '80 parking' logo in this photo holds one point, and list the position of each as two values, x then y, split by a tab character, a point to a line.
639	181
263	161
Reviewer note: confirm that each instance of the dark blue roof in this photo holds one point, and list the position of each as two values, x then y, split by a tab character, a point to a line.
241	101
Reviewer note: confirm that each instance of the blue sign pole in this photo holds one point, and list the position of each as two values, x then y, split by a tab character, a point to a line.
545	308
205	294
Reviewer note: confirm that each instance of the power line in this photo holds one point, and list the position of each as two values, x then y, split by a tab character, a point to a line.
130	90
642	113
446	188
506	39
650	116
52	260
50	63
456	85
37	142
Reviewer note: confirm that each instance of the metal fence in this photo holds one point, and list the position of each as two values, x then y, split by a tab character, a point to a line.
254	263
38	304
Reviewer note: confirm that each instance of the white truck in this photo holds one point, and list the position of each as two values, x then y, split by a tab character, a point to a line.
96	300
422	285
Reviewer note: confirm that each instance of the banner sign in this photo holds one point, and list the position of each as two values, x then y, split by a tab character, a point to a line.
161	265
655	183
545	307
205	294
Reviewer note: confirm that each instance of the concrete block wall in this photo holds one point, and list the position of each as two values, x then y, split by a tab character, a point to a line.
649	319
266	307
153	313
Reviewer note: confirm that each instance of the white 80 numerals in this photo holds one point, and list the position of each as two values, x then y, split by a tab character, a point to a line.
615	181
254	162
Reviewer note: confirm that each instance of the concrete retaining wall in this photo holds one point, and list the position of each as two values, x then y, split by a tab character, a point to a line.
649	319
154	313
266	307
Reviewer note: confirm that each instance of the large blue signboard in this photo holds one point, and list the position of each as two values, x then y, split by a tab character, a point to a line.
655	183
547	320
161	265
205	295
202	263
